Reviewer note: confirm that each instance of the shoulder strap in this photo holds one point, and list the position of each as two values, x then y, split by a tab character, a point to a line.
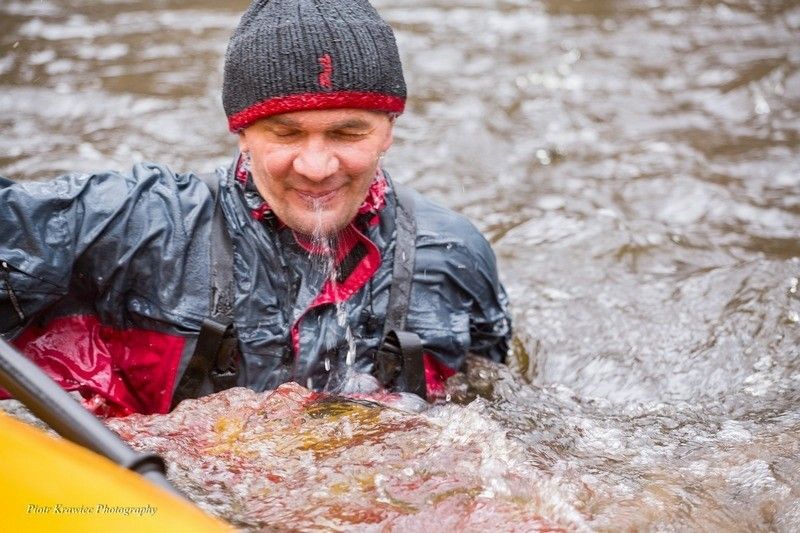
399	358
405	249
215	353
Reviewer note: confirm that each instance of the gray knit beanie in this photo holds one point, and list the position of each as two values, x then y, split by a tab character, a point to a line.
292	55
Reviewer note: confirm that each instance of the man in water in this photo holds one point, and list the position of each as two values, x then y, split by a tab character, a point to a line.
300	260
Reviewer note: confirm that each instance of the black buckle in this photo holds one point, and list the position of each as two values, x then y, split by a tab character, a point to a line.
398	363
219	341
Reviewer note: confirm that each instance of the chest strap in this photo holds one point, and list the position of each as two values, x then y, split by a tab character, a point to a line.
214	365
398	362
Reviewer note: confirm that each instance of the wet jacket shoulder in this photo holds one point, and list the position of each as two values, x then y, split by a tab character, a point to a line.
458	302
123	239
103	280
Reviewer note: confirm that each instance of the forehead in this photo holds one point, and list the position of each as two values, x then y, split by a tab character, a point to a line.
328	118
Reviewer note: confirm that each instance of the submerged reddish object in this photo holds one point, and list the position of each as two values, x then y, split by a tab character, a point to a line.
297	459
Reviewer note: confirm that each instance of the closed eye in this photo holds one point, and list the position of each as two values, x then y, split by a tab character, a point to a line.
349	134
284	133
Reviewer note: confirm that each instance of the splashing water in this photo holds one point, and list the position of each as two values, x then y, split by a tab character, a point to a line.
347	379
247	457
341	319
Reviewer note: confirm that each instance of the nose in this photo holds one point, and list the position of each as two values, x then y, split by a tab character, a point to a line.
315	161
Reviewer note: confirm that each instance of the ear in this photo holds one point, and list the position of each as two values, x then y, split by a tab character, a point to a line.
243	145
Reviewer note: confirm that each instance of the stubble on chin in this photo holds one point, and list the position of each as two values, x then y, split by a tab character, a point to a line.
310	225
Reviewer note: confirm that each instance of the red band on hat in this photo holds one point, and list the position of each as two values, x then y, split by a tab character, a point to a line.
309	101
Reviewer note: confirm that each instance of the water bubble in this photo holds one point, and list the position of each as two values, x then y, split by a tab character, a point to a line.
86	150
761	107
41	58
733	431
543	156
765	363
572	56
551	202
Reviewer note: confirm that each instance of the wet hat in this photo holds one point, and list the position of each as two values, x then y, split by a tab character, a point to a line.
293	55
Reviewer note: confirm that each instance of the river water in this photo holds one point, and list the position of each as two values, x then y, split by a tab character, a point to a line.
636	165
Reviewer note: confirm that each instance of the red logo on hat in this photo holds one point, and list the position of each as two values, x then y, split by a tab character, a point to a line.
327	71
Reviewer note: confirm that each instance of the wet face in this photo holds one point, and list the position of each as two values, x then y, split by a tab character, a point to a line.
314	168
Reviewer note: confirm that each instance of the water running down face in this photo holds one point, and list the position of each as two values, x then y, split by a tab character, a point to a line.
314	168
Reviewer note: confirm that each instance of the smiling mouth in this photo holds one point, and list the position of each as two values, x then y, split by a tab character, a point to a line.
317	198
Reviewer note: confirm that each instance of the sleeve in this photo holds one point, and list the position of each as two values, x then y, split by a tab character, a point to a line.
459	304
476	277
490	322
86	232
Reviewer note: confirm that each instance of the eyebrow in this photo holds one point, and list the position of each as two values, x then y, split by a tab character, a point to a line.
282	121
351	123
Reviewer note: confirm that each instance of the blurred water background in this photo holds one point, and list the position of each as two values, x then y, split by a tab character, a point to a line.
636	165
